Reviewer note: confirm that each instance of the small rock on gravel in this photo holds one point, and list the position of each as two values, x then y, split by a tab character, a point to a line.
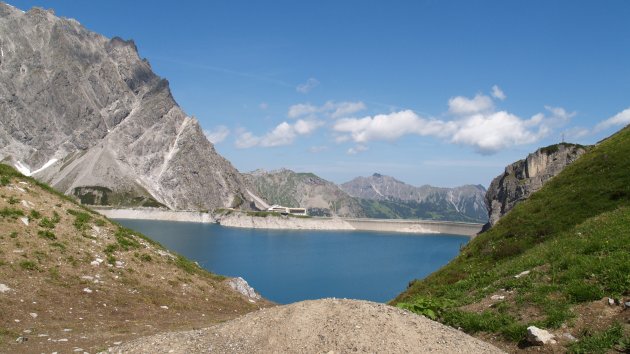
539	336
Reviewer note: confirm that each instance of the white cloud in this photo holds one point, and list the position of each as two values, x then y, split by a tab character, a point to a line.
342	109
304	127
246	140
306	87
491	133
218	134
283	134
357	149
560	113
498	93
621	118
476	124
301	109
391	126
263	105
330	109
461	105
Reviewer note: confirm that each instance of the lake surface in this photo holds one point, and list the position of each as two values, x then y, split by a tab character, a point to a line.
287	265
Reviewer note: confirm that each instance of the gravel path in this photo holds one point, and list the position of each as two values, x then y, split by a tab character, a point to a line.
318	326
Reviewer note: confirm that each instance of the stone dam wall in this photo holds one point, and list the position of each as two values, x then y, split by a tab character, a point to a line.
292	223
416	226
157	214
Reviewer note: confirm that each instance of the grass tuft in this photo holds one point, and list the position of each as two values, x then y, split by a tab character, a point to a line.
47	234
28	265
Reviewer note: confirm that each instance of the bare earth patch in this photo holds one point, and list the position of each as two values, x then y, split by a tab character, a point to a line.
317	326
72	279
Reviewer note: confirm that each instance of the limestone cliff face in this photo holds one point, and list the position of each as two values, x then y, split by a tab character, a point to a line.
524	177
87	115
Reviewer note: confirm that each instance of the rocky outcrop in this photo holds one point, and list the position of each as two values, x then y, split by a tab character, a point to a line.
87	115
241	286
524	177
306	190
387	195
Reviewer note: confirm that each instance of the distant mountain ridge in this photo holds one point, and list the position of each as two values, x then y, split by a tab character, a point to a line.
377	196
293	189
87	115
383	195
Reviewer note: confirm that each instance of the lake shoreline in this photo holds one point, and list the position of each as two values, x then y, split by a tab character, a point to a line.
241	220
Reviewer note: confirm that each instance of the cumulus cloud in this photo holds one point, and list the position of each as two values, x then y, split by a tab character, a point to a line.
343	109
391	126
246	140
560	114
475	124
306	87
305	127
498	93
218	134
357	149
301	109
461	105
330	109
496	131
621	118
283	134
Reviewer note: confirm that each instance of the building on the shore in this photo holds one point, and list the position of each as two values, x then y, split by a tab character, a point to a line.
286	210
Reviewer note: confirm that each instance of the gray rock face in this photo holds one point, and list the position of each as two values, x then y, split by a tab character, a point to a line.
306	190
524	177
241	286
466	201
85	113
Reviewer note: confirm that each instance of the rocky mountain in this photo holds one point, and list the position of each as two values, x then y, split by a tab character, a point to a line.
385	196
524	177
292	189
70	278
87	115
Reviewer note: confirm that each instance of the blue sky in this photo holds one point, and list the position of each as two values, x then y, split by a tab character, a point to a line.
431	92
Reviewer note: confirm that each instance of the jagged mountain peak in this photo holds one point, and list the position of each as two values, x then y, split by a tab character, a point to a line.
465	201
307	190
87	114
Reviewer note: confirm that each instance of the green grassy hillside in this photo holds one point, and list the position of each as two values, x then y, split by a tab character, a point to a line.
574	238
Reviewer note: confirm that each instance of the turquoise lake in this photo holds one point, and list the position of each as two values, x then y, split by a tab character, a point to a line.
288	266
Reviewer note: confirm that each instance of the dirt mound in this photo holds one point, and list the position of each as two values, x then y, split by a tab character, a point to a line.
319	326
